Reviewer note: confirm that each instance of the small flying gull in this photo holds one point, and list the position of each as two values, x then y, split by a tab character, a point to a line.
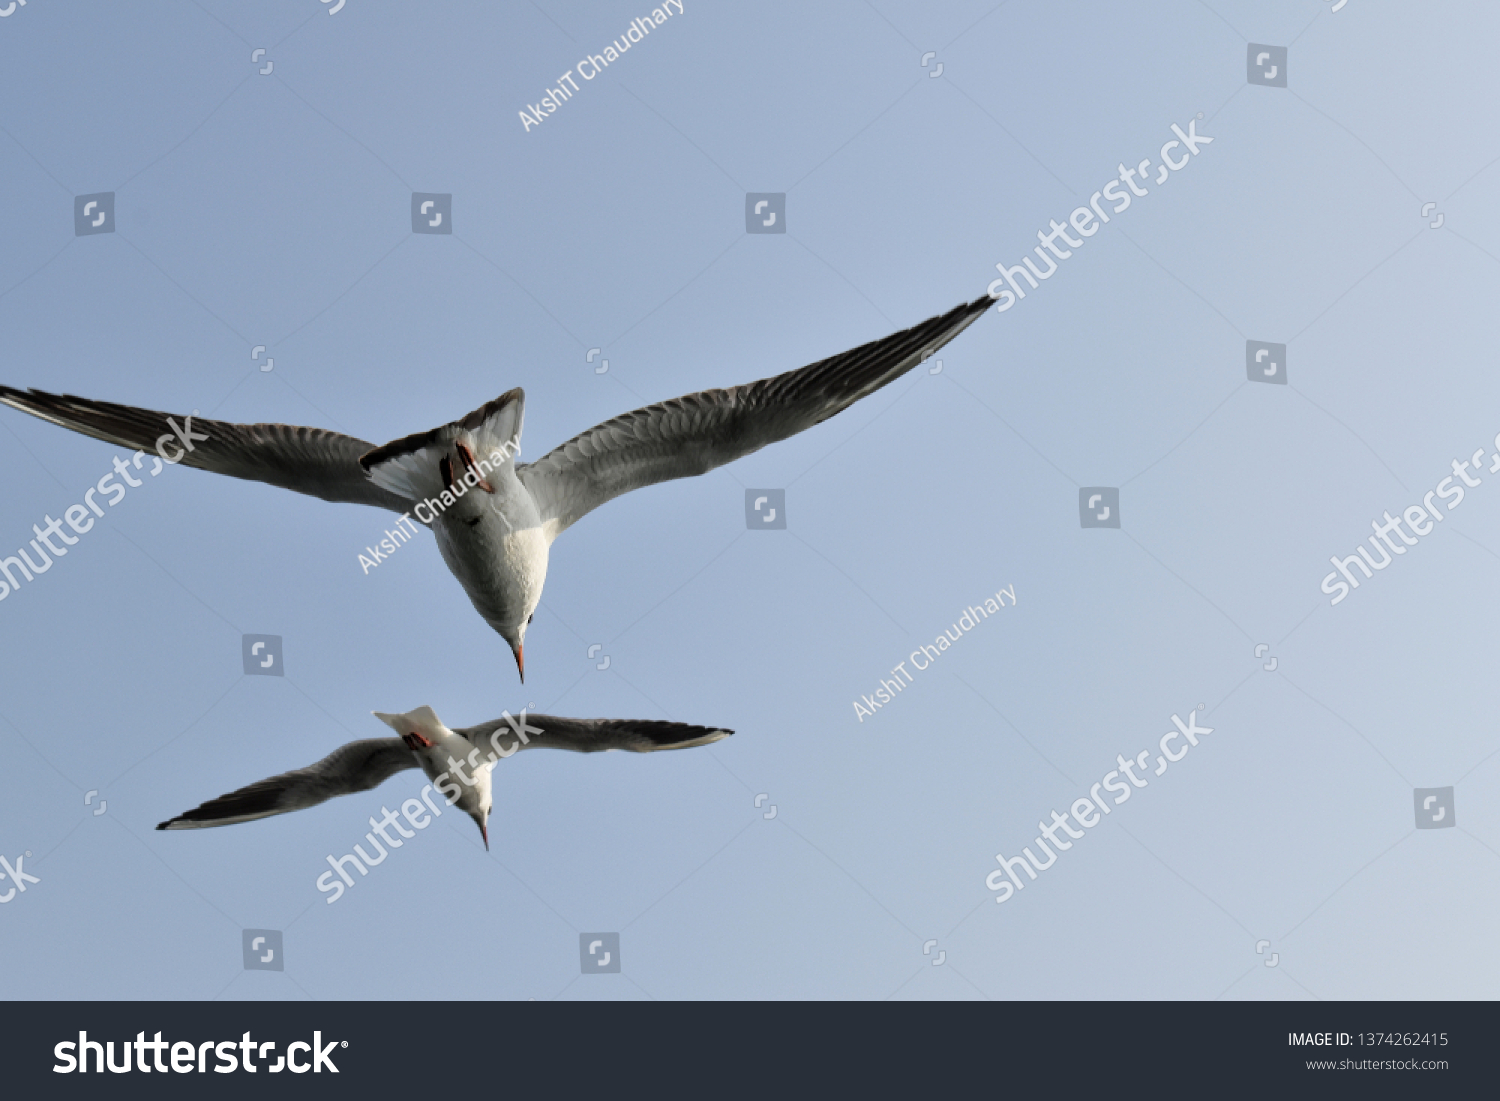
495	520
458	762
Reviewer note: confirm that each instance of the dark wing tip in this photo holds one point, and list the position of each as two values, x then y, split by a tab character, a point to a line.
473	420
11	391
31	400
46	399
674	735
969	309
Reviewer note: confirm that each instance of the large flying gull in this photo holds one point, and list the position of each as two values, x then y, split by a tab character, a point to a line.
458	762
495	520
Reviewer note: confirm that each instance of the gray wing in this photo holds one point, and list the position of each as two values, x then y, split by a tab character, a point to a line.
308	460
594	735
696	433
358	766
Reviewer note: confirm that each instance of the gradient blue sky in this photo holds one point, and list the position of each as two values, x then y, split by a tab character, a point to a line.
275	210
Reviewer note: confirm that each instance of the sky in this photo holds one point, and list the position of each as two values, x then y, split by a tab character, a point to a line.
1333	832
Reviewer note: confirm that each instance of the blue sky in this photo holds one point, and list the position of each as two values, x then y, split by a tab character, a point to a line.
275	210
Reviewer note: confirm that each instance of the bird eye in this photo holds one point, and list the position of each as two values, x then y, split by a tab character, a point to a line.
530	618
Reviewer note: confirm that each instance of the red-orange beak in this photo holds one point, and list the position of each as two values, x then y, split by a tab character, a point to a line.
521	661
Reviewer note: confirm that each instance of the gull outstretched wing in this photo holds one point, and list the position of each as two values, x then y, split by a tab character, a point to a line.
314	461
357	766
694	434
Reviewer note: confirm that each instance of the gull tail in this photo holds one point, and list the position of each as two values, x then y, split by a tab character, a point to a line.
471	451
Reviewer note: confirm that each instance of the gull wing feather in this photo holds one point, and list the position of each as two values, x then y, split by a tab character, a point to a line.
308	460
357	766
694	434
594	735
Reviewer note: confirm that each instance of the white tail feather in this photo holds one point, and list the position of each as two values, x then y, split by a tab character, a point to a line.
494	442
